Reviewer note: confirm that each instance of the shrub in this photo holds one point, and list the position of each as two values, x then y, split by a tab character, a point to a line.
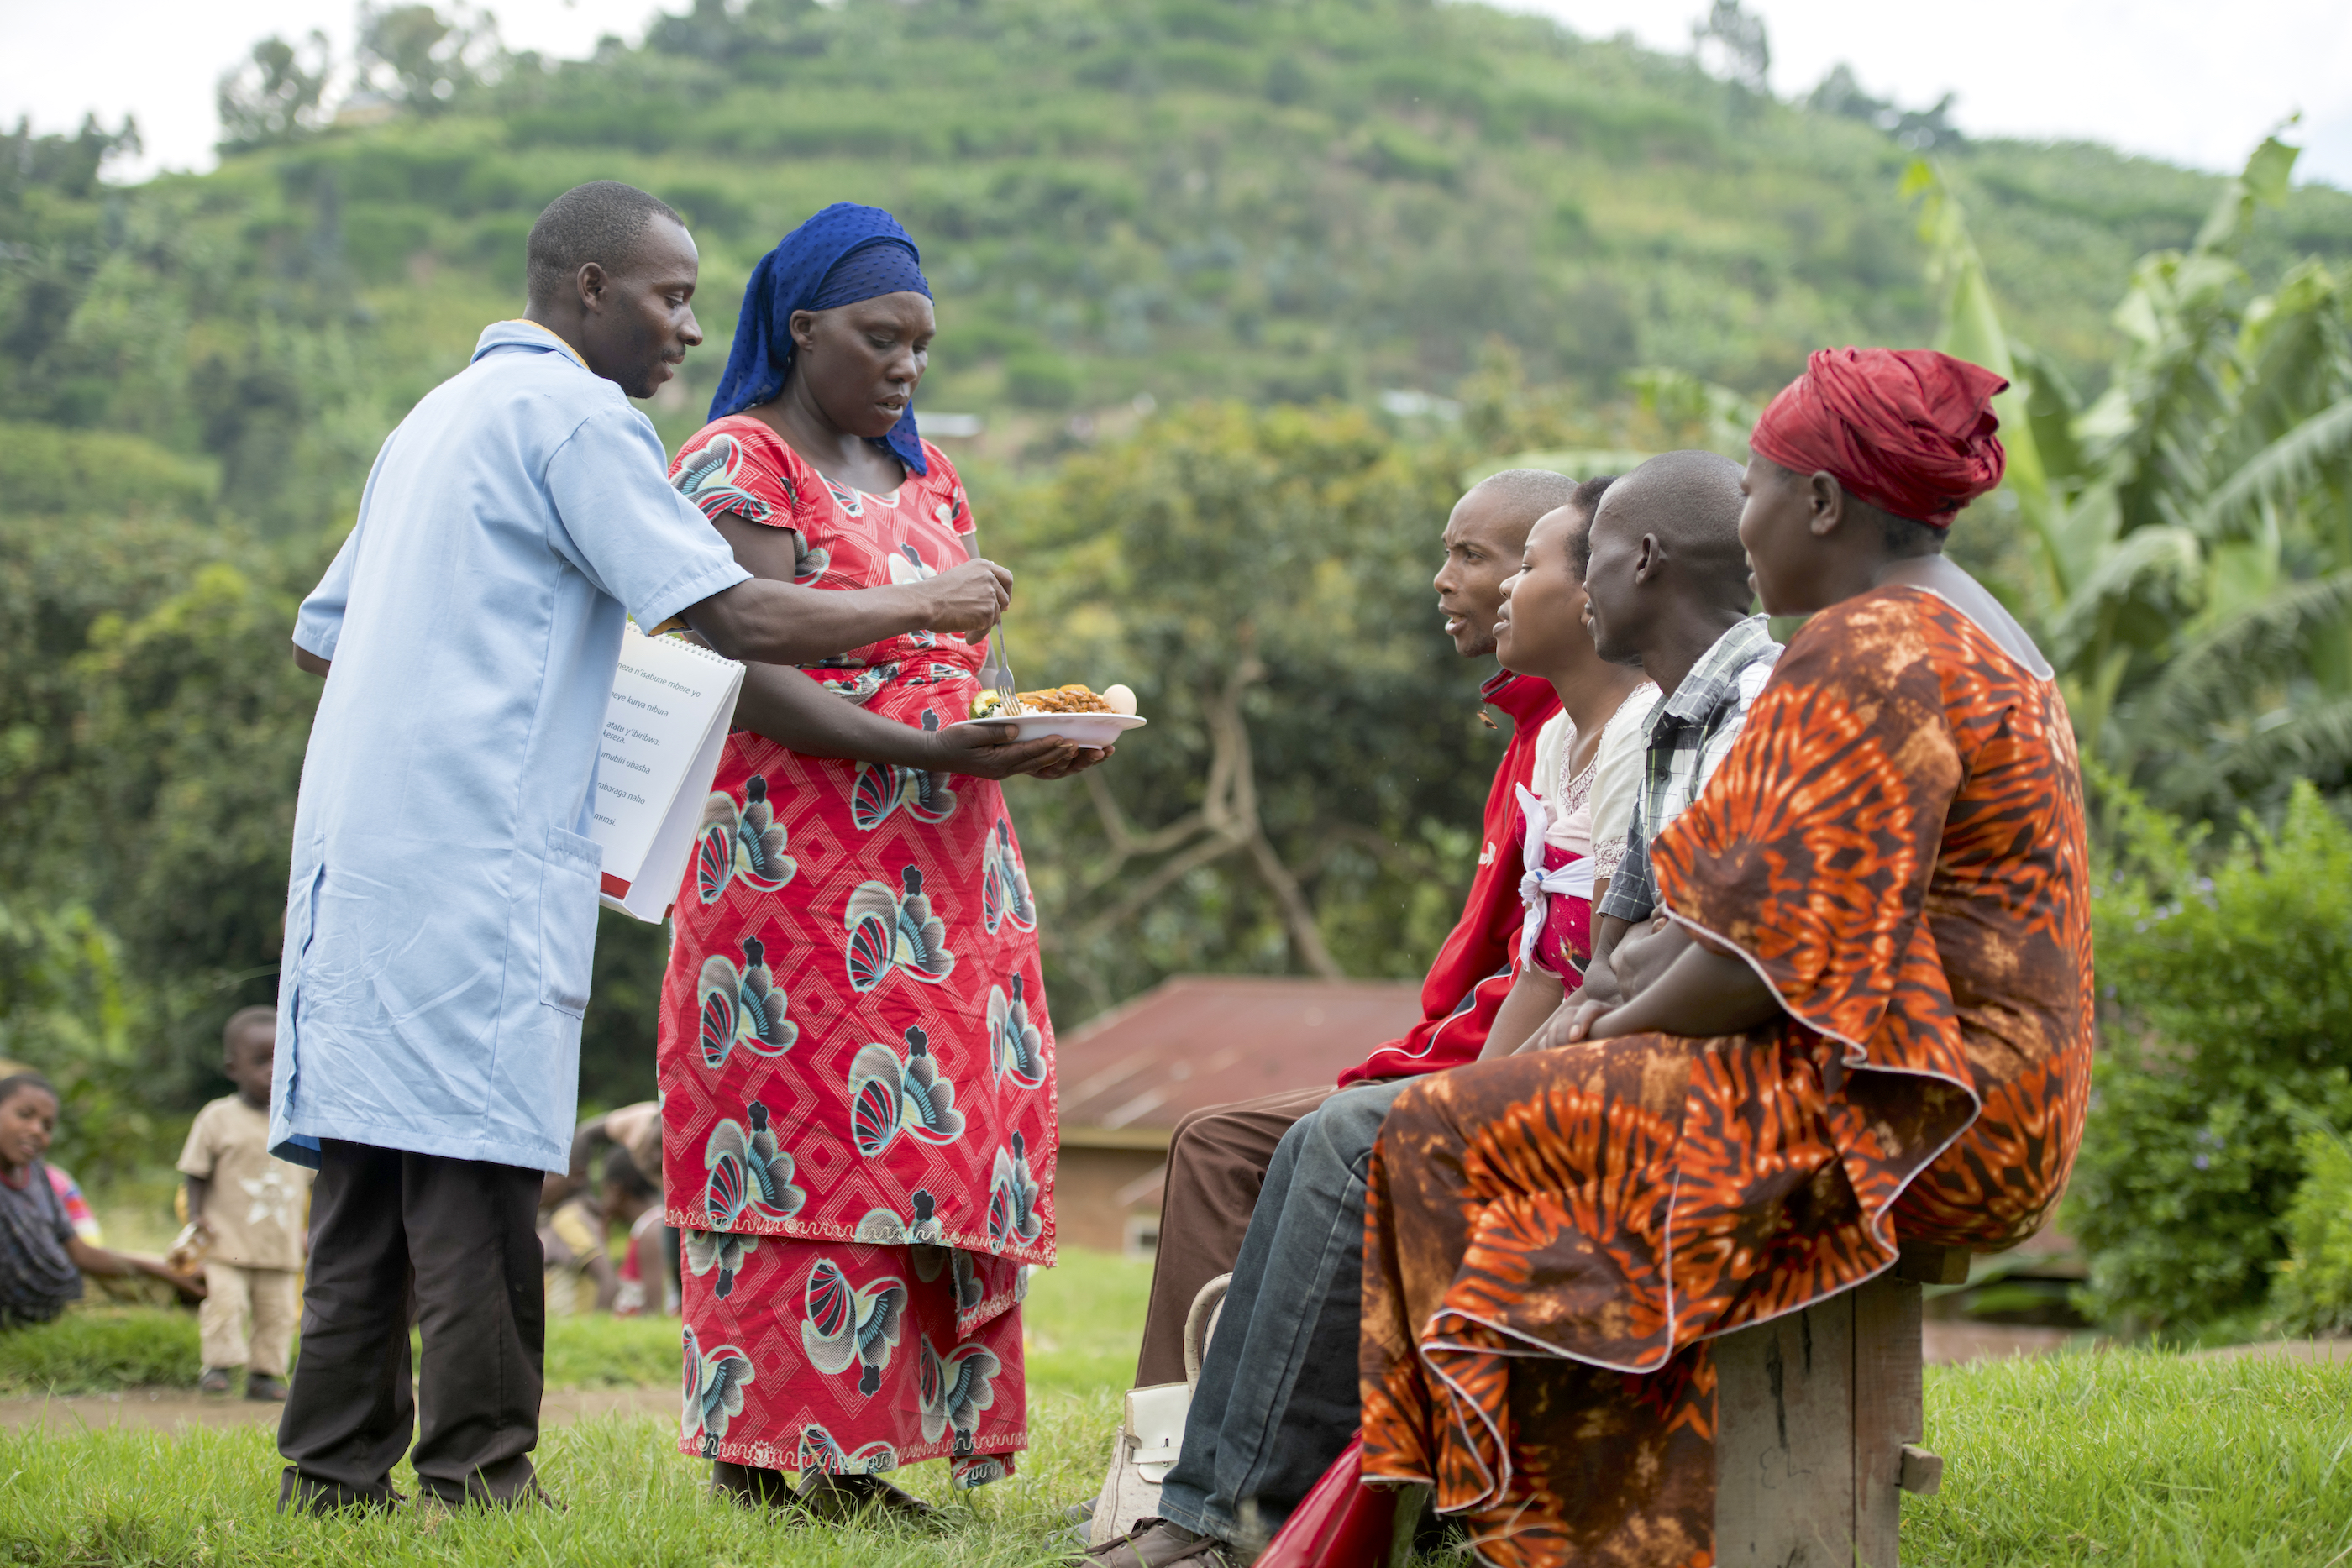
2314	1289
2225	1000
1040	380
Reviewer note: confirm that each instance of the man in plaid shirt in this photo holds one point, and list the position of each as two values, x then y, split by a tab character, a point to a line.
1670	593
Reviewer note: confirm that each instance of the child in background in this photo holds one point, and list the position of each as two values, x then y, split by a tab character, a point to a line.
577	1263
248	1208
631	1198
42	1259
77	1210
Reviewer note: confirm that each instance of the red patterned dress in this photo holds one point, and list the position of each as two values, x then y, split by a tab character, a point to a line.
1896	843
857	1068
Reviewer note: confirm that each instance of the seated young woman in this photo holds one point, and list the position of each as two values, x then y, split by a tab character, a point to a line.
42	1259
1875	1024
1587	765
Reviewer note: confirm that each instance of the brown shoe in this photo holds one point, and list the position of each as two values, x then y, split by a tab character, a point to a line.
1155	1544
838	1499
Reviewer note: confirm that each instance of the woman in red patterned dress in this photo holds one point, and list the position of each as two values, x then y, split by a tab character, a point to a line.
857	1067
1869	1018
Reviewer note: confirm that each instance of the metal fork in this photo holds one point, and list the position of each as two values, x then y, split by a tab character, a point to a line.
995	672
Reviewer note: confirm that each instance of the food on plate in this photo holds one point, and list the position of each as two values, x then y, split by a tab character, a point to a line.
1120	698
1072	698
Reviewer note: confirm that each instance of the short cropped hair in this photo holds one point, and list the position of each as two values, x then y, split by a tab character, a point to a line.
600	222
1534	491
1587	502
242	1017
1691	500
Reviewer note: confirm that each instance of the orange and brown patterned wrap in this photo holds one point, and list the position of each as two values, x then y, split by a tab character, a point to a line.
1896	844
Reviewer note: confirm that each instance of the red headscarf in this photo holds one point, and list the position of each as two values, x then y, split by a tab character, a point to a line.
1909	430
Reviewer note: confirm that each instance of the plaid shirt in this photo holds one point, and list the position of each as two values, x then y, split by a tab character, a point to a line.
1690	733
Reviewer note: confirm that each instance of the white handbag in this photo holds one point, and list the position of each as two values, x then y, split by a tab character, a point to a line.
1151	1429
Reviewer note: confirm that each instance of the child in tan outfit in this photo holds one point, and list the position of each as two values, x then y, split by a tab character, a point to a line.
249	1208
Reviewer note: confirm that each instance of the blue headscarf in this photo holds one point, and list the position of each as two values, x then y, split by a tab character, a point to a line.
845	254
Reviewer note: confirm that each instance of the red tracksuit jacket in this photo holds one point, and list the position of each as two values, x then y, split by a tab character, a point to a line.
1472	973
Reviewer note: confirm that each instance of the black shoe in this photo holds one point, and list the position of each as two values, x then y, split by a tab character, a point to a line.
261	1386
215	1383
755	1487
838	1499
532	1496
307	1495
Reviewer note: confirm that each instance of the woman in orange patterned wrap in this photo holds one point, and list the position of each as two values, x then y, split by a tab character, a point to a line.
1869	1018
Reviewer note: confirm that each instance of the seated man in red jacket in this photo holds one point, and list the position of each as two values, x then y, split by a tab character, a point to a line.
1217	1158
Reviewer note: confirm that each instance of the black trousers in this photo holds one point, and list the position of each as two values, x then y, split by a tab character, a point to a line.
463	1234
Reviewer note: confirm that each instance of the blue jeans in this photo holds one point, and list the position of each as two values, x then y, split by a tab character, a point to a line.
1276	1400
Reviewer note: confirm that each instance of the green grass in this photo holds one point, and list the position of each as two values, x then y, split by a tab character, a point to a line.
98	1350
94	1350
207	1497
1083	1319
2136	1457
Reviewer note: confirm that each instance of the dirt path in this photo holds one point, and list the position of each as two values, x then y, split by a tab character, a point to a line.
165	1408
1946	1344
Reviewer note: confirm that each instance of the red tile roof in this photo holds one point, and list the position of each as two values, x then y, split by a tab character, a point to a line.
1209	1039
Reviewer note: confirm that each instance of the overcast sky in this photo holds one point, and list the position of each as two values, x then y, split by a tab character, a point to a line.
2184	79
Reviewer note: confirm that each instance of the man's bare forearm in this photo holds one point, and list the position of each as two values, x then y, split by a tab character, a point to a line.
1644	953
1600	972
1700	996
770	622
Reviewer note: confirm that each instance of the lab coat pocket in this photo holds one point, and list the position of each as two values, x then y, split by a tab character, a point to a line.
569	878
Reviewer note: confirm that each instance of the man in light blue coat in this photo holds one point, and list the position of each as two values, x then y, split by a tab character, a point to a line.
441	913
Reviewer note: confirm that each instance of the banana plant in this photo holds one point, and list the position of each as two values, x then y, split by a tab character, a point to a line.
2190	542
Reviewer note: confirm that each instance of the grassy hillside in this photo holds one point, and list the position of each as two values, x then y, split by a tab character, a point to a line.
1276	202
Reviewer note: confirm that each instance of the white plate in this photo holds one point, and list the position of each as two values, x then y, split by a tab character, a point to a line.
1086	728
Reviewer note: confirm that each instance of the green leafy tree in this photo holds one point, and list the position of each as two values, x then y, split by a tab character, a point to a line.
423	60
1308	796
2192	526
68	1010
1733	42
68	164
273	97
152	730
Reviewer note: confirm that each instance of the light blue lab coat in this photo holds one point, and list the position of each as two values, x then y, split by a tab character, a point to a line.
442	910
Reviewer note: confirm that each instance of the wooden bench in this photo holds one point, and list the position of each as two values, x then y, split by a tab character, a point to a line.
1818	1416
1818	1421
